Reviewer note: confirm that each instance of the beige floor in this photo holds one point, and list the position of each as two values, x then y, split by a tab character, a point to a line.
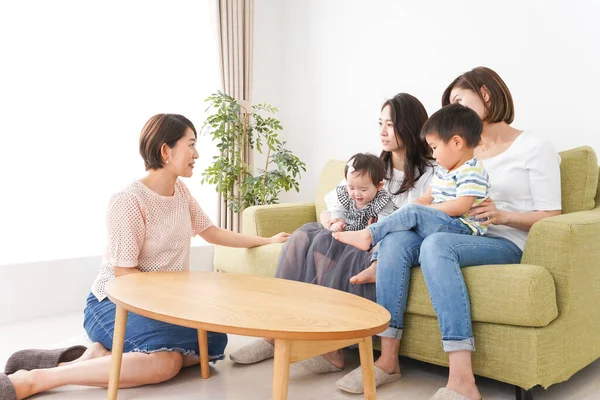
232	382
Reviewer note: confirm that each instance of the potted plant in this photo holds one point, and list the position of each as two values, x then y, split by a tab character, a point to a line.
235	127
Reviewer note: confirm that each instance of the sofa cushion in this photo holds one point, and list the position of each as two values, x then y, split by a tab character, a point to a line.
518	294
332	175
261	260
579	179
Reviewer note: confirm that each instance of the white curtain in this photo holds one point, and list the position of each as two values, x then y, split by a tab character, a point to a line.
236	31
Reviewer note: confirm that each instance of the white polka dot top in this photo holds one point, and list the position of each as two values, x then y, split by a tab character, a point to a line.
149	231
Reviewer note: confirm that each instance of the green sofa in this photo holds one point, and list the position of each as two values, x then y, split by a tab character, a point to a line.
535	323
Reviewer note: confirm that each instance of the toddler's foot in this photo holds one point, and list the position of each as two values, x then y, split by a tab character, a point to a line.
358	239
365	276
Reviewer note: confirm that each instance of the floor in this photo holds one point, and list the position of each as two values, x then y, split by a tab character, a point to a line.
233	382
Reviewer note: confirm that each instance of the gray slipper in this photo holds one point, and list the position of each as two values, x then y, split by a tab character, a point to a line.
317	365
40	359
353	381
7	390
257	351
448	394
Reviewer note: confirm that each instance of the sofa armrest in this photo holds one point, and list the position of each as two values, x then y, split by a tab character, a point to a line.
568	246
269	220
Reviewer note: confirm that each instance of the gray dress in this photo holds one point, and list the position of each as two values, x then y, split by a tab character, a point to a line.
312	255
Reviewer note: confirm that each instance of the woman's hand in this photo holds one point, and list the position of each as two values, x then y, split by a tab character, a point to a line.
281	237
487	209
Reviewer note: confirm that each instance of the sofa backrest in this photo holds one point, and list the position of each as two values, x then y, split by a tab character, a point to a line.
331	176
580	180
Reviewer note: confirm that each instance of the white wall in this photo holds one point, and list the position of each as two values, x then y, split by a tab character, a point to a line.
342	59
38	289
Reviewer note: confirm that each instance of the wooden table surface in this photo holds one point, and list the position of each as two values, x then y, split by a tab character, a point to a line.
249	305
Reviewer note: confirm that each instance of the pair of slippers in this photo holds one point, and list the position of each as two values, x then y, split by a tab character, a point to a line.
34	359
261	349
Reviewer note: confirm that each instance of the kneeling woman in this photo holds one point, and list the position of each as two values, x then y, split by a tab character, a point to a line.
150	225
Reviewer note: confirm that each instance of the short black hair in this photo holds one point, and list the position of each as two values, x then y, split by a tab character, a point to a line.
454	119
365	163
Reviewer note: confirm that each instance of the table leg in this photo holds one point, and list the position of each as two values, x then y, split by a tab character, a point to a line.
368	368
203	345
281	369
117	352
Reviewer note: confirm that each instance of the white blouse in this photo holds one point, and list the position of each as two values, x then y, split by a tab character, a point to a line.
149	231
524	178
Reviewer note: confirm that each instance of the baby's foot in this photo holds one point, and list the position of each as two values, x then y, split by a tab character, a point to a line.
358	239
365	276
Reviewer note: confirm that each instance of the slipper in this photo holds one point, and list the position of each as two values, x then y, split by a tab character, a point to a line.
7	390
317	365
447	394
353	382
41	359
257	351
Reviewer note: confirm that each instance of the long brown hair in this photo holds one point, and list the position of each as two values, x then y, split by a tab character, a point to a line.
408	116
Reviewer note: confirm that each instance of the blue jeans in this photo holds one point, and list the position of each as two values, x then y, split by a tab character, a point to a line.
423	220
395	254
442	255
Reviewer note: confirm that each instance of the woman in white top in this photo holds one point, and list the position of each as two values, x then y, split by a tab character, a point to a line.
525	187
150	225
312	255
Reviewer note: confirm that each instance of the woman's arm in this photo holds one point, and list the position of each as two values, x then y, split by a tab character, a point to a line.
223	237
120	271
523	221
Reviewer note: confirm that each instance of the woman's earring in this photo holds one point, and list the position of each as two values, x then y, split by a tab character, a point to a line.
167	161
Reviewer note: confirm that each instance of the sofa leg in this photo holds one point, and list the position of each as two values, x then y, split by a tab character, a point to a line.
522	394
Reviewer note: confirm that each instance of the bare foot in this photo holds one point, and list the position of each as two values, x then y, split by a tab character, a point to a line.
359	239
389	367
336	358
365	276
23	383
95	350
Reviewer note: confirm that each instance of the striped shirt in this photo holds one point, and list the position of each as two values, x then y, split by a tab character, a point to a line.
470	179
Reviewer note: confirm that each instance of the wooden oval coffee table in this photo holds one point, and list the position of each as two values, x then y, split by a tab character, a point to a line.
305	320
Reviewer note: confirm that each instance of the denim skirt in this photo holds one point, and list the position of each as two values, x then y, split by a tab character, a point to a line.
145	335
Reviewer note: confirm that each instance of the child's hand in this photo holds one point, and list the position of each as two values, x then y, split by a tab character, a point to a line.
281	237
338	226
421	201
